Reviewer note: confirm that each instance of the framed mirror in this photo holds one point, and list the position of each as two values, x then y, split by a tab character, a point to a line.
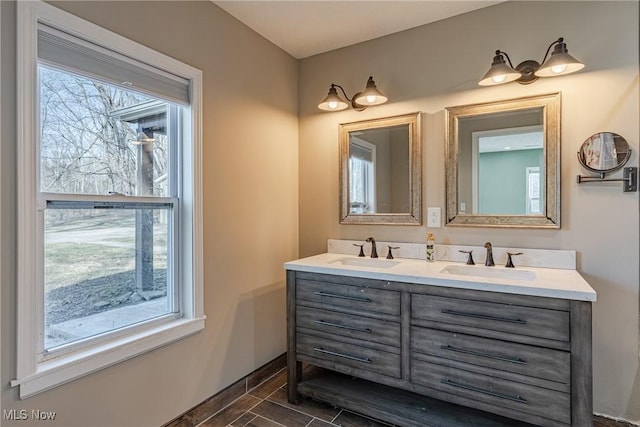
381	171
503	163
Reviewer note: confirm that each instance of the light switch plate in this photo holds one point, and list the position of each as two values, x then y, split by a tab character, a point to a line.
433	217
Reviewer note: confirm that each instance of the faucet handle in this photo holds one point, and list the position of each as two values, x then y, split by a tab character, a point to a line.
361	250
509	263
389	254
469	258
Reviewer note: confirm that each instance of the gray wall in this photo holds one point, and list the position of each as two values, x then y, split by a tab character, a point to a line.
257	179
438	65
250	174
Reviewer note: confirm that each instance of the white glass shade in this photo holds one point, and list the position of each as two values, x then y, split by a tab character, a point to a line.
499	73
559	64
333	102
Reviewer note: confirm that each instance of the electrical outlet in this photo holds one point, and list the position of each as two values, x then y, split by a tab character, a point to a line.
433	217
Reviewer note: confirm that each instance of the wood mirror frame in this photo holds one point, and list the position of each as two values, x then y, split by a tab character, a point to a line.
550	108
413	214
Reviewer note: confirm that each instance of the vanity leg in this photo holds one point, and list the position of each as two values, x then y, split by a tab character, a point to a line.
294	368
581	364
294	372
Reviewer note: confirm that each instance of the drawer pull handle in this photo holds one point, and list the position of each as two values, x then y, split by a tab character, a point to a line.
345	356
516	398
337	325
481	354
485	316
350	298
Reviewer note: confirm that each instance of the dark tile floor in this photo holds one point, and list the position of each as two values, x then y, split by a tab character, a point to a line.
266	406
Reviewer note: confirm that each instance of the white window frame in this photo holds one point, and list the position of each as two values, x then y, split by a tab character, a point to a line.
532	174
33	375
370	179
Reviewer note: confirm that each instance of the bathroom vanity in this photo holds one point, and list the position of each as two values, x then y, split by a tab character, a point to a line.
443	344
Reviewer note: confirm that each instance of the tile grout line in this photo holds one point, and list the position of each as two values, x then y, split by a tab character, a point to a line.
228	405
254	417
244	425
292	409
337	415
266	399
269	419
246	385
322	421
272	393
249	410
263	382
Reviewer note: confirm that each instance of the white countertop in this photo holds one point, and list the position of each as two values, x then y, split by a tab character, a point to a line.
548	282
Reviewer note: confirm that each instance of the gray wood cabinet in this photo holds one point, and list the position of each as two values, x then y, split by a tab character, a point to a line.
457	357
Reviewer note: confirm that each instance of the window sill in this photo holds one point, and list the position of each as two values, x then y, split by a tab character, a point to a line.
63	369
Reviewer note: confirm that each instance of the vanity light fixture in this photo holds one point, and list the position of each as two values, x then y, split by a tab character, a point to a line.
559	63
361	100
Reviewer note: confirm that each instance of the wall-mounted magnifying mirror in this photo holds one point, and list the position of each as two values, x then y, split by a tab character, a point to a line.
380	171
604	152
502	165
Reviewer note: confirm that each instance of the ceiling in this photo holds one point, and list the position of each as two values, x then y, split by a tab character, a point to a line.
309	27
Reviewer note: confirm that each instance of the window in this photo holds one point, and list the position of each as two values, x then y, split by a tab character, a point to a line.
362	164
109	184
533	190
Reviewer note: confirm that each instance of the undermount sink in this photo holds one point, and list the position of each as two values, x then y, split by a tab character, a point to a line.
367	262
489	272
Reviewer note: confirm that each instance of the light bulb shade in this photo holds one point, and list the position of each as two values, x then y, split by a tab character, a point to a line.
559	63
499	73
333	102
371	95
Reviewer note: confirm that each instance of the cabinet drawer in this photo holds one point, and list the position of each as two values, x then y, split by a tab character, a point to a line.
348	355
528	321
349	325
350	297
485	389
538	362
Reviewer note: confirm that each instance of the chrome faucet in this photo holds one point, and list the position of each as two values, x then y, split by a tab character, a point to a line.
489	261
374	252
